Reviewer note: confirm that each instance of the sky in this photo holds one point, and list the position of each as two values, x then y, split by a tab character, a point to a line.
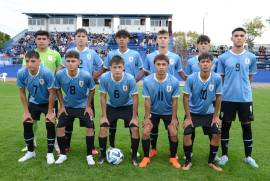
220	16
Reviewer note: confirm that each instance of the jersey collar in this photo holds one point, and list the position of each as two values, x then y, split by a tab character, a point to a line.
167	54
36	73
85	48
123	74
244	51
74	76
199	76
155	77
123	52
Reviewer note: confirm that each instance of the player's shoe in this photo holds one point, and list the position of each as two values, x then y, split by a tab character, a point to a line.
94	152
90	160
249	160
135	161
61	159
174	162
28	155
50	158
215	167
223	160
101	160
152	153
187	165
145	161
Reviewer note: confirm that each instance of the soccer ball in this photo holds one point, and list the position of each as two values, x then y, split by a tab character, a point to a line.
114	156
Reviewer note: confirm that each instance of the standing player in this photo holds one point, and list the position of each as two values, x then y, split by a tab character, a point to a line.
51	59
79	89
90	62
133	63
161	92
237	67
174	67
122	90
39	81
201	88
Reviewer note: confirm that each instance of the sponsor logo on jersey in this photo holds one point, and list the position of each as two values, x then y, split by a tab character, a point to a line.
125	88
247	61
211	87
41	81
169	88
81	83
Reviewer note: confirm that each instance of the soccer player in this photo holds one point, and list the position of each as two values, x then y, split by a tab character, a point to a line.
133	64
174	67
51	59
79	89
161	92
39	81
237	67
200	89
90	62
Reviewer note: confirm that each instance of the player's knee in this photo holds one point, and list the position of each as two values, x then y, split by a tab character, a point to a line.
60	131
215	139
89	132
187	139
146	132
134	132
103	132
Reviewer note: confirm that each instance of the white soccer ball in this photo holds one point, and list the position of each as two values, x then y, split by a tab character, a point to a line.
114	156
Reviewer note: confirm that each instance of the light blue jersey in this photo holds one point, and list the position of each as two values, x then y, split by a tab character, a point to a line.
89	60
202	93
236	70
76	88
132	58
174	67
120	92
193	65
161	93
37	85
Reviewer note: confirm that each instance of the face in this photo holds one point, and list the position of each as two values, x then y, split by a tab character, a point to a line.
72	63
117	70
81	39
161	67
238	39
203	47
163	40
42	41
32	64
122	41
205	65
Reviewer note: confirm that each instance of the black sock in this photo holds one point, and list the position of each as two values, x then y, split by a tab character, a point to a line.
212	153
188	150
173	148
62	144
146	146
247	138
192	139
50	136
154	137
225	135
89	144
68	134
112	132
28	135
134	146
102	145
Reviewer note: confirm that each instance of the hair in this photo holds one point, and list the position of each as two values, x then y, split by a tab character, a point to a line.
32	54
205	56
203	39
162	32
72	54
239	29
117	60
122	33
42	33
81	30
161	57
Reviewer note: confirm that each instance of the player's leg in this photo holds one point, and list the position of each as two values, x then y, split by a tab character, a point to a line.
103	132
94	151
153	139
187	146
68	134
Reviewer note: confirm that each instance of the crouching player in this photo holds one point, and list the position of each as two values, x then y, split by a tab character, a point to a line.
39	81
79	89
122	91
200	90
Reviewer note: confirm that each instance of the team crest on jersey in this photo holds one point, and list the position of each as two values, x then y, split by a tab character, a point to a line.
125	88
41	81
211	87
247	60
81	83
50	57
171	61
89	56
130	59
169	88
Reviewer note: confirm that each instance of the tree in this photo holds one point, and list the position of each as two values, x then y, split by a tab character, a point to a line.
254	28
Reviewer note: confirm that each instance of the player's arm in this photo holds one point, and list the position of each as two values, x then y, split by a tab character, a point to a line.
216	119
26	113
147	107
134	119
51	114
182	75
103	101
188	119
88	108
62	108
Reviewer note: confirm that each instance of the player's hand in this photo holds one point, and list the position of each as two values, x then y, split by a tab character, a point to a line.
134	121
187	122
217	121
174	122
147	125
89	111
62	110
50	117
27	117
103	120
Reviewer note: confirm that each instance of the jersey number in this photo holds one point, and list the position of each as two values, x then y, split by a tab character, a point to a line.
237	67
204	94
72	90
116	94
35	88
160	96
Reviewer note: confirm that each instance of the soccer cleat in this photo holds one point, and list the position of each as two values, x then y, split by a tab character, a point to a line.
50	158
90	160
101	160
223	160
187	165
249	160
28	155
61	159
135	162
174	162
152	153
94	152
145	161
215	167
